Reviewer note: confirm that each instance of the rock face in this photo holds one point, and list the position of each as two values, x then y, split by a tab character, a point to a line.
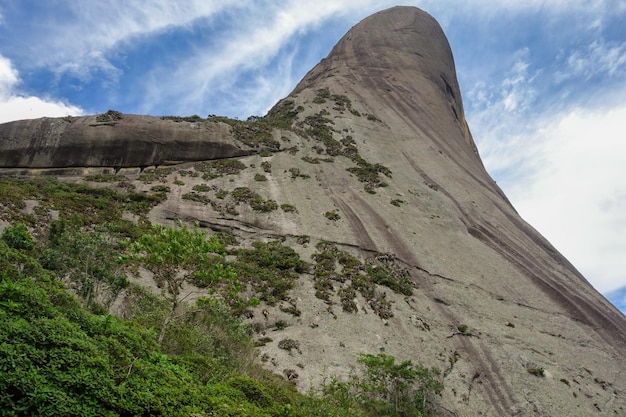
111	140
382	165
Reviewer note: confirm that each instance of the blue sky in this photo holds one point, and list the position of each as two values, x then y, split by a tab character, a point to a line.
543	83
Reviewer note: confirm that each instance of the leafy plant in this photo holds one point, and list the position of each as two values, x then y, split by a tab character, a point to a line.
175	255
219	167
332	216
201	188
104	178
160	189
17	237
282	114
88	261
270	268
264	206
400	389
289	344
295	173
462	328
266	166
288	208
536	371
384	388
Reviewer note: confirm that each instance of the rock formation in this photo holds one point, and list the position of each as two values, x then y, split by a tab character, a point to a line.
112	140
377	161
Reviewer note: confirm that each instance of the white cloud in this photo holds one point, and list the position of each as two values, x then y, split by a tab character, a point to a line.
208	71
497	113
16	107
575	190
8	76
598	58
107	25
516	88
93	32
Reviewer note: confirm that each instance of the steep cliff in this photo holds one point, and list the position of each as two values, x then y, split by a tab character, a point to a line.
377	168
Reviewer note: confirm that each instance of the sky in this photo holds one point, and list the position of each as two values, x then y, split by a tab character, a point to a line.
543	84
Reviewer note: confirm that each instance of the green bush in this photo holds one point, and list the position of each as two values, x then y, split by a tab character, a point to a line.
264	206
332	216
536	371
202	188
288	208
270	268
397	389
17	237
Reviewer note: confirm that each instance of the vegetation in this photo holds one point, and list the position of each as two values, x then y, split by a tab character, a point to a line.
266	166
341	102
178	119
288	208
63	353
282	114
386	388
59	359
334	267
295	173
219	167
319	128
258	203
104	178
155	175
368	173
271	269
109	116
332	216
201	188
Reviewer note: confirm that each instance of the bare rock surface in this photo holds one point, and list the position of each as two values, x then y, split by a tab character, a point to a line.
378	160
112	140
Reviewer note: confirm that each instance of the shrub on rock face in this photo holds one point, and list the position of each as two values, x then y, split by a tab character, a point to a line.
332	216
